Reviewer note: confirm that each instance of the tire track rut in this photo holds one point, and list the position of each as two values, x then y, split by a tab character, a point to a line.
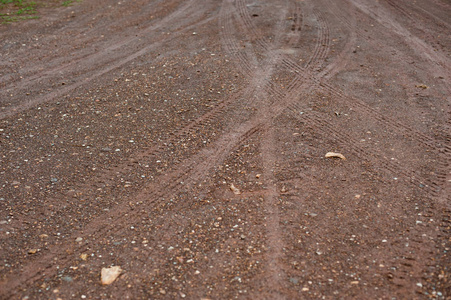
195	168
184	13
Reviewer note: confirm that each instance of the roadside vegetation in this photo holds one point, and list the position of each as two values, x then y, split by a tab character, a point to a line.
17	10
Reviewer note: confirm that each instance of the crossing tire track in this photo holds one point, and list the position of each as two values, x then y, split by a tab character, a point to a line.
351	144
186	172
267	101
362	108
302	75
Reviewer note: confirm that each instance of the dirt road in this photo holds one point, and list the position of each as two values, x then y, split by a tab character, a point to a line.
185	142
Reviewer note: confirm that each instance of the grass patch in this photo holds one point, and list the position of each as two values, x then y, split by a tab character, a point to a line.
17	10
67	3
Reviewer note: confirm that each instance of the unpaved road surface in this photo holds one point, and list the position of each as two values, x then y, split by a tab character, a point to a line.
185	142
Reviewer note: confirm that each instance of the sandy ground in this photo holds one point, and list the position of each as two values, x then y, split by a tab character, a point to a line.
185	142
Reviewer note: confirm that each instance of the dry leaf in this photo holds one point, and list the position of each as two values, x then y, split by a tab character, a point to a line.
333	154
234	189
108	275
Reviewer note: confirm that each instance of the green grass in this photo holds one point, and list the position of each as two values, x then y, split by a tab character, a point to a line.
67	3
17	10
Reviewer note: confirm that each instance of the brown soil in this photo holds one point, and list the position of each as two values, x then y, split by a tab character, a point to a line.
185	142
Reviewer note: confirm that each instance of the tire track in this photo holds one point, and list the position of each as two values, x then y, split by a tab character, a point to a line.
322	45
285	61
112	65
82	28
362	108
302	75
249	25
229	43
351	144
193	170
108	177
416	44
112	45
187	172
415	16
274	232
296	25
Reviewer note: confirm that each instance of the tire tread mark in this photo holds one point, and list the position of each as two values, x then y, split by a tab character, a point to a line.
322	44
108	68
414	16
274	233
230	45
193	171
296	25
362	107
345	139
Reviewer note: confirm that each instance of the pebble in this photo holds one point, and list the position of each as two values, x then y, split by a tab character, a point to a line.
79	239
109	275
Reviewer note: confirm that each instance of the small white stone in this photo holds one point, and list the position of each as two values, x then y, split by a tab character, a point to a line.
109	275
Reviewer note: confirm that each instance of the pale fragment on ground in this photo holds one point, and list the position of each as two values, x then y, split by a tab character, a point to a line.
422	86
333	154
109	275
235	190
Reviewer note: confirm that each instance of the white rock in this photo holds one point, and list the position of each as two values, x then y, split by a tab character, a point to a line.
109	275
